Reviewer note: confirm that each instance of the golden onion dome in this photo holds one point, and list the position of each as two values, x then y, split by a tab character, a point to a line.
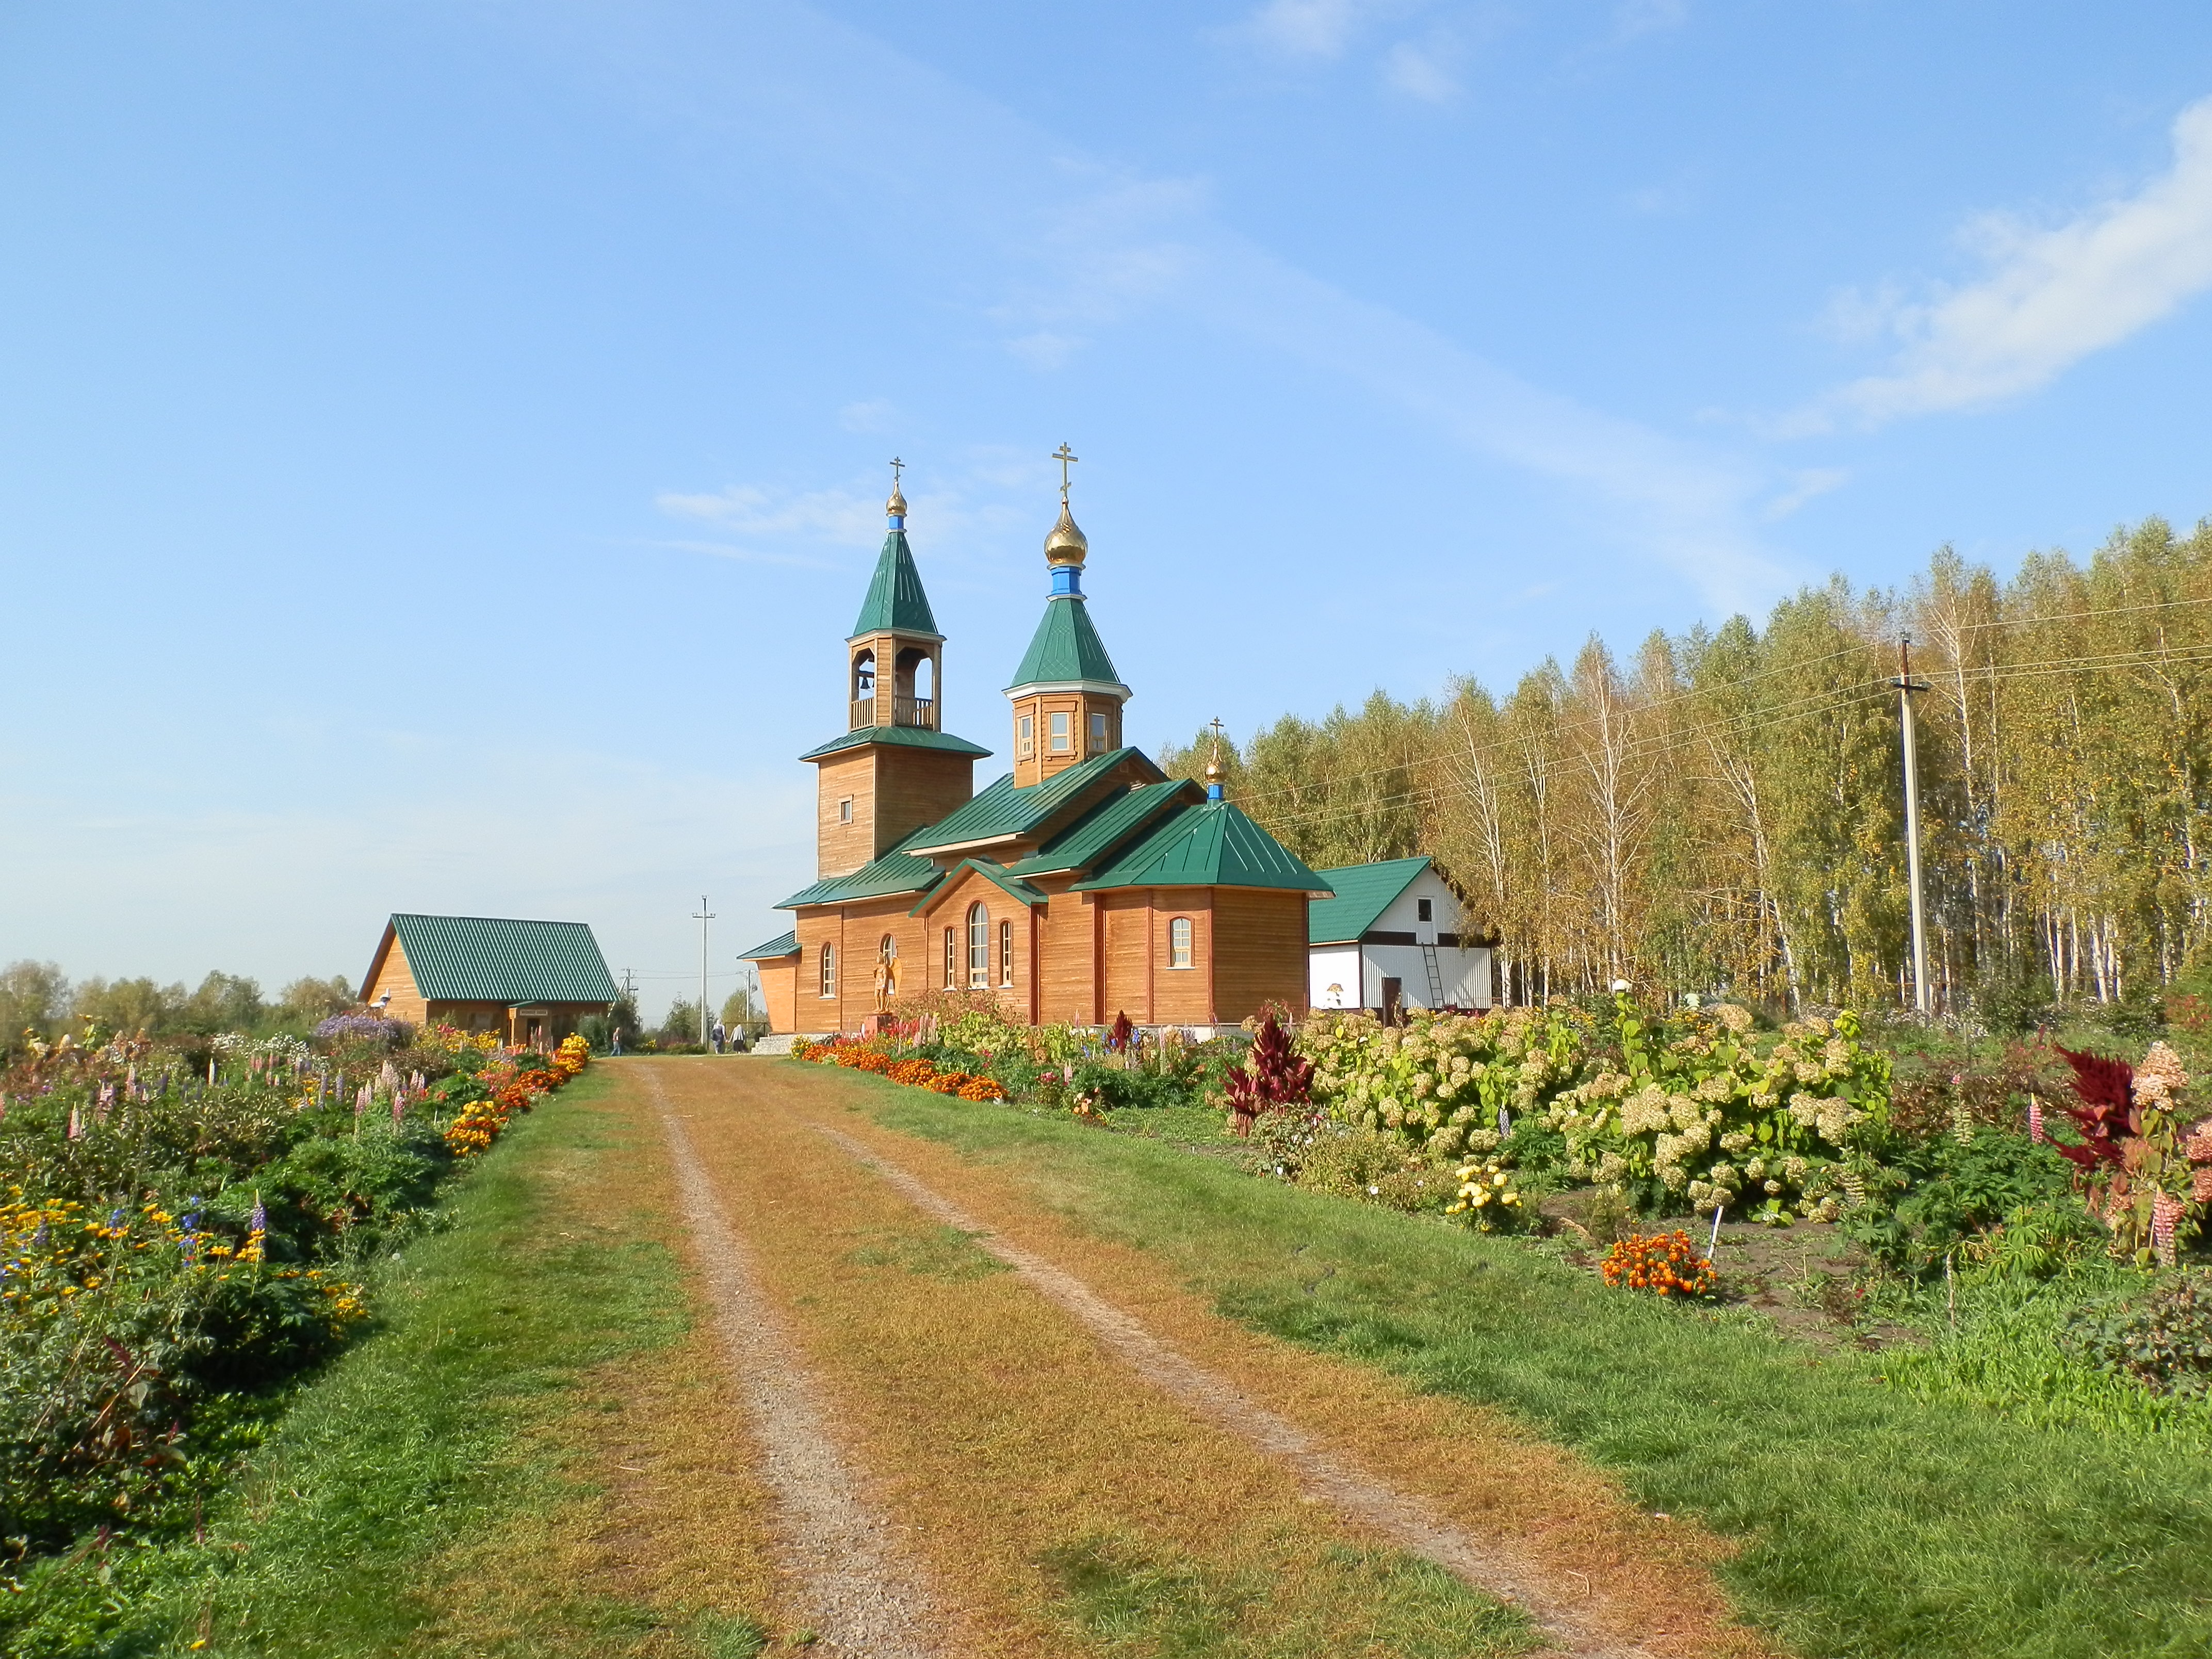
1066	544
1214	772
897	505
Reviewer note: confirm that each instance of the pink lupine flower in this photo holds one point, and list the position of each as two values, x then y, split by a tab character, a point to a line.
2165	1211
2200	1186
75	1126
2035	1120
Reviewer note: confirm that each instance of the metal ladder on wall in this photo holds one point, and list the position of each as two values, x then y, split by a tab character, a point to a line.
1436	976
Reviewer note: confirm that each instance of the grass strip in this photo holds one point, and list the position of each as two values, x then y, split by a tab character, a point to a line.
1868	1521
423	1475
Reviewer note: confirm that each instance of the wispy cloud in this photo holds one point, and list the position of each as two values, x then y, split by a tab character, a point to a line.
1634	18
1310	28
1423	71
870	414
1812	482
1075	250
845	518
2051	296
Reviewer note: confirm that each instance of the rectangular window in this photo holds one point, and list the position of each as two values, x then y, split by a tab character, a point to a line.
952	960
1025	736
829	970
845	810
1006	953
1426	907
1179	942
1061	731
1098	734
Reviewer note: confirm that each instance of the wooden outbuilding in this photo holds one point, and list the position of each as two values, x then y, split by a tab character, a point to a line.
529	982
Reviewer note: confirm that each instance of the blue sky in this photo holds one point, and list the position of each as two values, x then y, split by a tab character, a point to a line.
442	443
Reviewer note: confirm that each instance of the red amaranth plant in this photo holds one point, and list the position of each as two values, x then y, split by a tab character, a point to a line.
2106	1116
1271	1077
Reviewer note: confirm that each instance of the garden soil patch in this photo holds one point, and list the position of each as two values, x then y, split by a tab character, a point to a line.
1005	1431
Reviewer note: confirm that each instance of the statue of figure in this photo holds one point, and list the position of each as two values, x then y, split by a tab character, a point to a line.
886	982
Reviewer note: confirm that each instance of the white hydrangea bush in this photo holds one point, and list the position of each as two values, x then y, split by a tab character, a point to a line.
1694	1107
1439	1081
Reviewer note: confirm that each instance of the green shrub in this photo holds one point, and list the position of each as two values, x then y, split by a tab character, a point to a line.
1937	1193
2161	1339
1373	1167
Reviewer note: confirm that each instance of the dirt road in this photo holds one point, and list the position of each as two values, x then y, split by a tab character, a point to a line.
983	1433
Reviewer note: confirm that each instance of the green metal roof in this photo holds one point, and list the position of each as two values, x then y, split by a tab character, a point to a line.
497	959
1002	810
994	873
783	945
909	736
897	871
894	599
1364	891
1106	826
1209	845
1065	647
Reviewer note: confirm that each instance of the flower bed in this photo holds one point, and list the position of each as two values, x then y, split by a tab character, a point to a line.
176	1239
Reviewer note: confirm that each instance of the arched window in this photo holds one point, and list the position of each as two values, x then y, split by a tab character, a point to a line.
952	958
979	948
1006	953
864	689
829	970
1179	943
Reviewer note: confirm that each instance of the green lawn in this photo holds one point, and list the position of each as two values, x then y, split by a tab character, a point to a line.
419	1439
1869	1521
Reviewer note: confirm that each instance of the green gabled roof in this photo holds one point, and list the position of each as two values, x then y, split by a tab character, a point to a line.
1065	647
895	597
1003	810
897	871
1364	891
997	875
783	945
500	959
1209	845
1106	826
909	736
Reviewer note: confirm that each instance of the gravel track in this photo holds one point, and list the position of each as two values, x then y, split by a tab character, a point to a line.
1558	1606
865	1597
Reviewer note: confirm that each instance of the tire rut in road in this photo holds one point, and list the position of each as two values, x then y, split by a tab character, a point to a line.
866	1599
1511	1575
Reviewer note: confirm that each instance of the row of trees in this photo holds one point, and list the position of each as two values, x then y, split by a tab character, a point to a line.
36	998
1724	810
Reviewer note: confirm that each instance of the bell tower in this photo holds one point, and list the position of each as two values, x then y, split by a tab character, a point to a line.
896	768
1067	697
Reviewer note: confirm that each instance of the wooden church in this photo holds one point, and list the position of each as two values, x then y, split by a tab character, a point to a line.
1083	884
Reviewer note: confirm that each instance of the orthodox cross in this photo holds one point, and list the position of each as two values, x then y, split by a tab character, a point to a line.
1216	723
897	466
1064	455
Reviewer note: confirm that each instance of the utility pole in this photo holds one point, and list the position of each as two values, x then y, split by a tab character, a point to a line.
703	917
1906	686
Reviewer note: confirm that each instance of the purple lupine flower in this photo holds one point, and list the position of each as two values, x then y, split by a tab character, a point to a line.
259	1221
